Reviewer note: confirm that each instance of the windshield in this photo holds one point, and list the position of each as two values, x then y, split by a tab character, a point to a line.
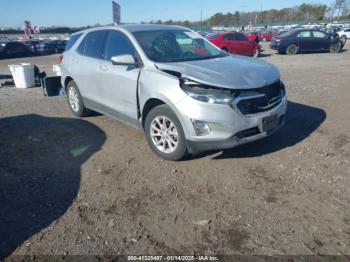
176	45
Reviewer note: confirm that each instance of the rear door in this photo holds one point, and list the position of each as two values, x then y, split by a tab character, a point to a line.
232	43
305	40
87	64
118	83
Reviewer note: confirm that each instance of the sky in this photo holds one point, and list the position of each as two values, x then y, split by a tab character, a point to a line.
90	12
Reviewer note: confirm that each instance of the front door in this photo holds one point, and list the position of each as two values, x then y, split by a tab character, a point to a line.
321	40
246	47
118	83
232	44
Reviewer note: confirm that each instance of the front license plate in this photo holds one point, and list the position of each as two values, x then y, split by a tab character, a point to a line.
269	123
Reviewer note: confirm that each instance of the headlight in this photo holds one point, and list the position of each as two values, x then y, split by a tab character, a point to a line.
3	45
208	94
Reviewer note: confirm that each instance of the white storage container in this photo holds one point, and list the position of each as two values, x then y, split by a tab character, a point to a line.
56	69
23	75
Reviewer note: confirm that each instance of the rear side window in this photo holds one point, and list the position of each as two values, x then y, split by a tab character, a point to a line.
72	41
93	44
118	44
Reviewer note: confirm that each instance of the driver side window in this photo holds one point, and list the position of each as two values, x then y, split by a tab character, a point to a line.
230	37
319	34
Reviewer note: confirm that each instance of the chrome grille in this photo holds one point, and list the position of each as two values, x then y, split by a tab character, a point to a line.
258	100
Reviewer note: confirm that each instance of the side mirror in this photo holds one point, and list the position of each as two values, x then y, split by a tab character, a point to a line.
125	60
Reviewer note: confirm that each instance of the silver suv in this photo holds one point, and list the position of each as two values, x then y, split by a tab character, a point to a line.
187	95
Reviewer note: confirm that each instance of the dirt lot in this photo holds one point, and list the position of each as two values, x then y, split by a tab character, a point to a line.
93	186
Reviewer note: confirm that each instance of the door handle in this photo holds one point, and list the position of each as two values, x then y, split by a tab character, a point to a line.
104	68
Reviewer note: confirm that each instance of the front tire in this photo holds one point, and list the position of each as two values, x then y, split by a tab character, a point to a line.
292	50
164	134
75	100
336	47
256	53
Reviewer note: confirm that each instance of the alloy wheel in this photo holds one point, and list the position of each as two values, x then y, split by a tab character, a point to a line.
73	99
164	134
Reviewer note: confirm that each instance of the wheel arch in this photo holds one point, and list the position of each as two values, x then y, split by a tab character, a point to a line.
66	81
157	100
148	106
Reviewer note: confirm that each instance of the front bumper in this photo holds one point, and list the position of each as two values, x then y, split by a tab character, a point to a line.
229	127
241	138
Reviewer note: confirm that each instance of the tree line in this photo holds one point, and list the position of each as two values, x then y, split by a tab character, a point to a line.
304	13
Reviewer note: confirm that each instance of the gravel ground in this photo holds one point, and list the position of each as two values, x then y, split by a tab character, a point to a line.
93	186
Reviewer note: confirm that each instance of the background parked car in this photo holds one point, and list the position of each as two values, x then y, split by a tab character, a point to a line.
46	47
31	45
344	34
266	36
235	43
253	36
60	45
13	49
306	40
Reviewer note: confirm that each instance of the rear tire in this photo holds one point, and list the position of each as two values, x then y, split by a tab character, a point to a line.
164	134
75	100
292	50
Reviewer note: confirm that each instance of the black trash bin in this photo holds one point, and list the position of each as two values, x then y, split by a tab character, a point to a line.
51	85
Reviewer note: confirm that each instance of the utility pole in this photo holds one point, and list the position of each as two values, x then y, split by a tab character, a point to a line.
201	21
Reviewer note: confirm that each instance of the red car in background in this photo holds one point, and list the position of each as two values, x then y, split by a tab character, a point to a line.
235	43
266	36
253	36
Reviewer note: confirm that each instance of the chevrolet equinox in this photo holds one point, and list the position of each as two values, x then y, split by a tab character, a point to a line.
185	94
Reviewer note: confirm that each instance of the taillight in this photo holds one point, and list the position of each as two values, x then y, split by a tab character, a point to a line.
279	40
60	58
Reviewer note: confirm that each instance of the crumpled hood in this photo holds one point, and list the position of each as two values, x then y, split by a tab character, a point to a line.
233	72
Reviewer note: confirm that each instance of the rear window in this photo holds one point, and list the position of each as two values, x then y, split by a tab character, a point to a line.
72	41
